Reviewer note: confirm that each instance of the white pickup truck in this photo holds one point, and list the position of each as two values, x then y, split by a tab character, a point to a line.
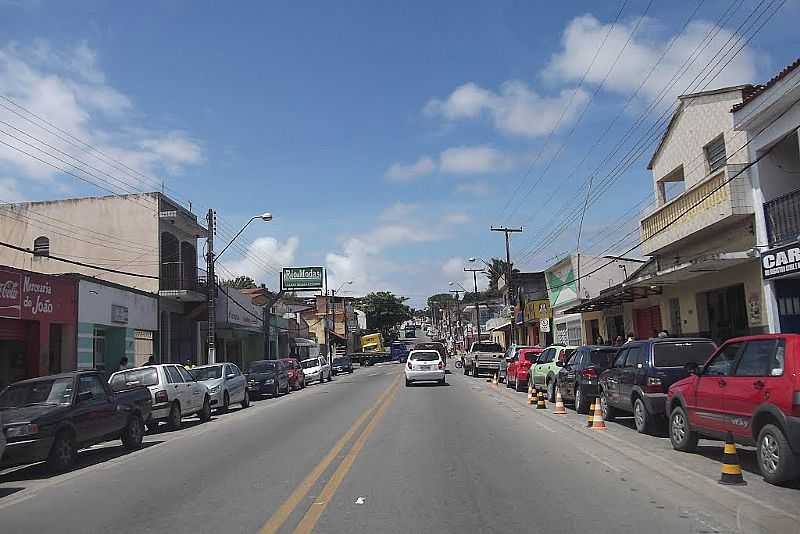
483	357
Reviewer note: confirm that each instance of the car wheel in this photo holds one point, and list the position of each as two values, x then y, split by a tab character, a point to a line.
609	412
580	401
226	402
276	390
408	383
641	417
681	437
174	418
63	452
152	426
133	434
775	458
442	382
246	399
205	411
517	387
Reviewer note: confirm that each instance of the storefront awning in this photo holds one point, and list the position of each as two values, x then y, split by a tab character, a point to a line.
303	342
497	324
614	297
709	263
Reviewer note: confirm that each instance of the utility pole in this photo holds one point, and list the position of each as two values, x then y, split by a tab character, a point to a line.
327	317
346	333
477	297
211	283
460	331
507	231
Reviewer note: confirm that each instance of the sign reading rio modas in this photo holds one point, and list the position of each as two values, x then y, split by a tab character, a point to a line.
301	278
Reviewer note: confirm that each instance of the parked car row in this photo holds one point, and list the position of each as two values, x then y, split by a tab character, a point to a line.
51	418
749	386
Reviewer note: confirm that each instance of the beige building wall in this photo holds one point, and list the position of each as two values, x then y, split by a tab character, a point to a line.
115	232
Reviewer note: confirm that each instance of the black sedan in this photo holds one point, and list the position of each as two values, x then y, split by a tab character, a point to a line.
342	364
267	377
578	377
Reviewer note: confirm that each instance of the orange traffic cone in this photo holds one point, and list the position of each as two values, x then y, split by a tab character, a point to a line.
560	408
590	419
597	420
731	470
540	405
531	392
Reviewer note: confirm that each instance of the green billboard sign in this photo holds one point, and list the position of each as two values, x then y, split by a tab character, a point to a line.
301	278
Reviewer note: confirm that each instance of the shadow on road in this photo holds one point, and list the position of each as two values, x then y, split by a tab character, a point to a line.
747	460
429	385
5	492
162	428
86	459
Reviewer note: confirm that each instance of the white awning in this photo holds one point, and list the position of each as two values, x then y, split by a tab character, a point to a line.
303	342
709	263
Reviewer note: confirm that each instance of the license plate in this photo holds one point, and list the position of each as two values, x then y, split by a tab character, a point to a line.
426	367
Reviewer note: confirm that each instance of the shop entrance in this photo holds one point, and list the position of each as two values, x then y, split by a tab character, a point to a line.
726	310
647	321
12	362
788	296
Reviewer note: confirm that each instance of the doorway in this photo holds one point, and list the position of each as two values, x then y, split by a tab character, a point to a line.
787	292
726	309
647	322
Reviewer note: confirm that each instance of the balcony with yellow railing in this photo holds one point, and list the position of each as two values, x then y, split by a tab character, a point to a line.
711	203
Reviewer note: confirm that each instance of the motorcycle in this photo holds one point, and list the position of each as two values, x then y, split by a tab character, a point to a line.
459	364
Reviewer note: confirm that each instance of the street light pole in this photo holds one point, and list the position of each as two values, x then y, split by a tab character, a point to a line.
211	260
477	304
507	231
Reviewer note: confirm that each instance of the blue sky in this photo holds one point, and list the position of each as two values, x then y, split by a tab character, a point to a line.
385	137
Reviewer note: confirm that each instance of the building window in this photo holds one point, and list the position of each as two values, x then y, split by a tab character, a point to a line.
715	154
671	186
41	247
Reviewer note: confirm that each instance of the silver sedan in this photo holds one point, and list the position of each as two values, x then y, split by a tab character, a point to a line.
226	384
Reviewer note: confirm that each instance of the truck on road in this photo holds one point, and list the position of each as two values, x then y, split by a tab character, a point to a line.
372	343
52	417
483	357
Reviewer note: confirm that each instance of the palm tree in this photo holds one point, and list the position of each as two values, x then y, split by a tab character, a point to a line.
496	269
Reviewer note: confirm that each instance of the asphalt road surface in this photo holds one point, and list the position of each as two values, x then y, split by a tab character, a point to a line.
366	454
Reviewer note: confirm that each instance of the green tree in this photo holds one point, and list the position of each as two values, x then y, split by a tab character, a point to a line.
240	282
384	311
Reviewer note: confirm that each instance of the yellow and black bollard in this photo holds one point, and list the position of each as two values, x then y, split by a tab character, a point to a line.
540	405
731	469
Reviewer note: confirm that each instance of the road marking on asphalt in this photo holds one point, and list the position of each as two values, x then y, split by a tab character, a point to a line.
287	507
309	520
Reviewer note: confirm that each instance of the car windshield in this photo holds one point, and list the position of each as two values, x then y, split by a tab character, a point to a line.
424	355
531	356
602	358
678	354
340	361
147	376
207	373
262	367
309	363
58	391
487	347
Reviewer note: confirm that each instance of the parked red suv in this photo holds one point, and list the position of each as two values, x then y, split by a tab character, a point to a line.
750	387
297	379
520	365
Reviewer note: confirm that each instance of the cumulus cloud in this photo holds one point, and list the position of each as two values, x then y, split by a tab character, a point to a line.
9	192
68	89
399	172
463	160
264	251
579	45
399	211
456	218
453	270
516	109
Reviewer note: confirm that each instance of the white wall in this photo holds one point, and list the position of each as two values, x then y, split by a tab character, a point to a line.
95	301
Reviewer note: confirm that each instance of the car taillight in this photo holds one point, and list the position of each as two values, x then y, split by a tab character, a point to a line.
409	365
161	396
796	404
653	385
589	372
441	365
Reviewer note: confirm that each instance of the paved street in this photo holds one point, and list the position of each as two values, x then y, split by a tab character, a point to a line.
468	457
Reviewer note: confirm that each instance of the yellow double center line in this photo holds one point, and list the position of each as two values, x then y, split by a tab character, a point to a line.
311	517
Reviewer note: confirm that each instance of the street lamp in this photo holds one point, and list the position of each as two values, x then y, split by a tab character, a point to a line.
266	217
212	282
477	304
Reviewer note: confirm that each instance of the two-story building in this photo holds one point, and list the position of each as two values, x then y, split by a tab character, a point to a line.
768	118
146	234
700	235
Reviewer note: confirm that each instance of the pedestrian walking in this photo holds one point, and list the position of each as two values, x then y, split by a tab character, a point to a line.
123	363
618	341
599	340
663	333
630	337
150	361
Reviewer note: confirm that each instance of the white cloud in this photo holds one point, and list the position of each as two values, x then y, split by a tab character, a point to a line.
264	250
480	159
405	173
515	109
456	218
479	188
579	45
462	160
9	191
69	89
453	270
